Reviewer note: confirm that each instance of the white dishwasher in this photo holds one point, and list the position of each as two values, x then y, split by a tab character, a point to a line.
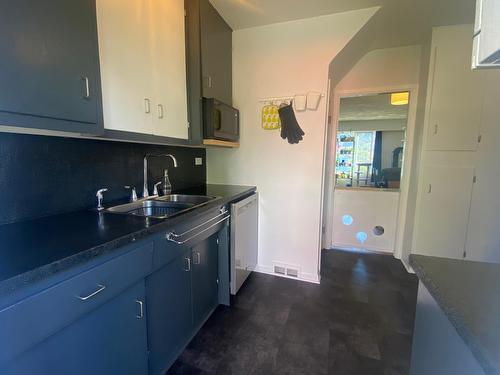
244	239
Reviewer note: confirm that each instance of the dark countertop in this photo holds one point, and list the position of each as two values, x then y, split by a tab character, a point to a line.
468	293
33	250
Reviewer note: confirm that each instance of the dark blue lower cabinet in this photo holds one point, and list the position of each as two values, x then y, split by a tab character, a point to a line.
169	312
110	340
204	279
180	297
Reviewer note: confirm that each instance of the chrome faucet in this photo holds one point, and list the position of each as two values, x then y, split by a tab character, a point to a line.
100	197
145	190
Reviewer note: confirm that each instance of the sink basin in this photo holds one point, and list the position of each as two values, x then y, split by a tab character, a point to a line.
185	199
161	207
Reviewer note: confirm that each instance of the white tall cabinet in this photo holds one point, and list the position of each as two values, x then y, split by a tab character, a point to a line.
143	66
456	92
458	209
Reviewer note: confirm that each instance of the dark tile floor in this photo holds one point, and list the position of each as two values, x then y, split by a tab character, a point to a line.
358	321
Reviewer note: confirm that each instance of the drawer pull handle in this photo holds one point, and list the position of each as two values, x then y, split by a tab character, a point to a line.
197	258
141	309
99	289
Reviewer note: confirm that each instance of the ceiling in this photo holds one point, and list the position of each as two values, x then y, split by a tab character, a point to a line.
371	107
405	14
242	14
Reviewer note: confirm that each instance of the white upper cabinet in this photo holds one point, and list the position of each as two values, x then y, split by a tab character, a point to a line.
455	92
124	32
486	52
143	66
169	69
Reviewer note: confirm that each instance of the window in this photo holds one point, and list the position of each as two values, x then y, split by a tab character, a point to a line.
370	140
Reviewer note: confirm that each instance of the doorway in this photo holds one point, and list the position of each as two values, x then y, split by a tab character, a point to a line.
369	166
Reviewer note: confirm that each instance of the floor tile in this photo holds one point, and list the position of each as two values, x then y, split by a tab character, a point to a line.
359	320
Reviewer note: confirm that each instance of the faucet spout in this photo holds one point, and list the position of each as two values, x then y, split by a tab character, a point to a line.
145	190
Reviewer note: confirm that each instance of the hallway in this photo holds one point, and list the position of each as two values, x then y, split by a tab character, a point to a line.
358	321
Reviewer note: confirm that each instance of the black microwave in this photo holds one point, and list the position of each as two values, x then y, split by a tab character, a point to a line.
220	121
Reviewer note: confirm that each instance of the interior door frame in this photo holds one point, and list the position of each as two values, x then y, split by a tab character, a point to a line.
408	158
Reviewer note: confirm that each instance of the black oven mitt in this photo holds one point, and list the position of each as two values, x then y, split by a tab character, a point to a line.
290	128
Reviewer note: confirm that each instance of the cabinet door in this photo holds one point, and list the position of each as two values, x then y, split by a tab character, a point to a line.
110	340
169	68
49	70
443	211
169	312
126	65
216	52
456	92
486	34
204	279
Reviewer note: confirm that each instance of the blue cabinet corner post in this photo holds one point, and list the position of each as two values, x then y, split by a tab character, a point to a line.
49	66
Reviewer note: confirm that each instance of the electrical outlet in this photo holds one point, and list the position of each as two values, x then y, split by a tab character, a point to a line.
198	161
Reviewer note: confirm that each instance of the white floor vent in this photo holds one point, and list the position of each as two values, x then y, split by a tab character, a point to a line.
292	272
280	270
286	270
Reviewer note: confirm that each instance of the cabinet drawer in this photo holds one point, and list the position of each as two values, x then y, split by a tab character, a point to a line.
30	321
188	233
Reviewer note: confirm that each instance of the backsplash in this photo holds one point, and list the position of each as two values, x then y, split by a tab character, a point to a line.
41	175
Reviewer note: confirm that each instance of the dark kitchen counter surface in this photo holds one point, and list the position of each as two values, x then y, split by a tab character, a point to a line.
33	250
468	293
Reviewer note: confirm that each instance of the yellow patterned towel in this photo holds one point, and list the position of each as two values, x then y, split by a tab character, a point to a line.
270	117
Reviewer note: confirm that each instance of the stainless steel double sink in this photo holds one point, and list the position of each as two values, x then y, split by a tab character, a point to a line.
161	207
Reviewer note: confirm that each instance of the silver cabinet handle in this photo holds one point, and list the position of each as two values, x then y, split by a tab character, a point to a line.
188	264
147	105
141	309
160	111
99	289
196	258
435	129
87	87
172	237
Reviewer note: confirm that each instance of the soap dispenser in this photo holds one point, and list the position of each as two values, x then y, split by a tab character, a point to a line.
166	186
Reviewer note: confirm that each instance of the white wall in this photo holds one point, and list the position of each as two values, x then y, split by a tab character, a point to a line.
383	68
368	208
280	60
390	141
379	70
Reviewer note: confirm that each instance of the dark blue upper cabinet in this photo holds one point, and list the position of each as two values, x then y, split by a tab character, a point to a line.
49	65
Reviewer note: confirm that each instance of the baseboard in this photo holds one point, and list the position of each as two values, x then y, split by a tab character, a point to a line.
406	265
344	246
303	276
